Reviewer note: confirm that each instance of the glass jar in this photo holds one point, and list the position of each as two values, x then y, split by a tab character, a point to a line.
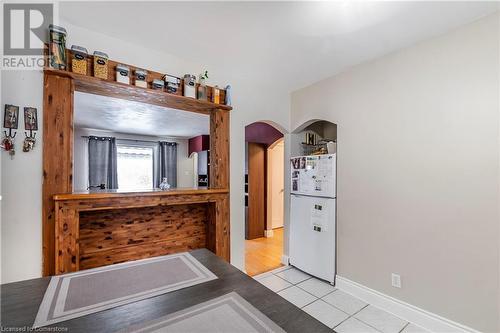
216	95
190	85
122	74
202	90
101	65
172	84
158	84
141	78
57	47
79	60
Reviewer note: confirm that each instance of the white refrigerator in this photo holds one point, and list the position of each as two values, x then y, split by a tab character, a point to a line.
312	215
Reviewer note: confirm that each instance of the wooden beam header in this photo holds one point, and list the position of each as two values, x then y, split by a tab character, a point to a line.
94	85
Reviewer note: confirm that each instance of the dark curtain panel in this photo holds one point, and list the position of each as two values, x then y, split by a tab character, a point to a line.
167	163
103	162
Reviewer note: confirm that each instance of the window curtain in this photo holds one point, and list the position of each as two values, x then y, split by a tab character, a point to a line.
166	163
102	162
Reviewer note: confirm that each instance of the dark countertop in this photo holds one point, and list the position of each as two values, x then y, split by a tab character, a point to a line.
20	302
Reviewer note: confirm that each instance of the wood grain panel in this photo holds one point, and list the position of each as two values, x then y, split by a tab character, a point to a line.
138	200
111	194
57	157
107	229
219	149
256	220
95	230
67	246
211	228
222	227
219	178
141	251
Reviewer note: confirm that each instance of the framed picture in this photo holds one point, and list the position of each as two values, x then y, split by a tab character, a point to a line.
11	116
30	119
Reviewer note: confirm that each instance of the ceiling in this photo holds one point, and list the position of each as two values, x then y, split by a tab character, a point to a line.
292	43
122	116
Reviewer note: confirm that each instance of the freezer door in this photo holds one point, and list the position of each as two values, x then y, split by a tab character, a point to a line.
314	175
312	236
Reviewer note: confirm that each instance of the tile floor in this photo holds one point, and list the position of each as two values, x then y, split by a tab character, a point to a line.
334	308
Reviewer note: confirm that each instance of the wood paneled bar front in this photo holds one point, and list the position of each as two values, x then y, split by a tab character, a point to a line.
68	244
103	228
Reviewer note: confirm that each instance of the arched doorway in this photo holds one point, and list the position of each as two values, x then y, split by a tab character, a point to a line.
264	197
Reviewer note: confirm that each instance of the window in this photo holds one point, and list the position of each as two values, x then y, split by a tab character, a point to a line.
135	167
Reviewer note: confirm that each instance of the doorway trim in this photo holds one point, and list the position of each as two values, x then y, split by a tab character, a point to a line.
268	232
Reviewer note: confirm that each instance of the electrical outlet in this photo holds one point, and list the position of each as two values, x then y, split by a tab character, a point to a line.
396	280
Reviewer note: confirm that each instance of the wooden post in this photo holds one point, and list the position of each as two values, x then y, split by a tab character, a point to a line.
219	178
222	235
219	149
67	240
57	156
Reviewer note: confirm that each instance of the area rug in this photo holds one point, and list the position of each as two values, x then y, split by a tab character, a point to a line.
229	313
81	293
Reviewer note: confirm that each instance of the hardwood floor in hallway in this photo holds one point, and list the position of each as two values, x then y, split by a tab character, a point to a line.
264	254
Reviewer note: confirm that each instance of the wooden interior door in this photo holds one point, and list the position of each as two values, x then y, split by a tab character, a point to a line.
256	221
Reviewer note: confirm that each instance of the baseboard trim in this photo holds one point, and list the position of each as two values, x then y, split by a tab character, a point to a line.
285	260
268	233
425	319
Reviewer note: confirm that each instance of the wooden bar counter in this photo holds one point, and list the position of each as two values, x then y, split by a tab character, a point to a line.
100	228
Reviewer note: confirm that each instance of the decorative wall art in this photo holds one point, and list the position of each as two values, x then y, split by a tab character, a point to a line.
30	119
30	124
11	117
10	121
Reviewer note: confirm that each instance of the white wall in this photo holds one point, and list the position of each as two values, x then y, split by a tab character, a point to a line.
253	101
80	156
80	160
21	178
21	229
418	171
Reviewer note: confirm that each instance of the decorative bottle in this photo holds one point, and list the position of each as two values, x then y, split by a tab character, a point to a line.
164	185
